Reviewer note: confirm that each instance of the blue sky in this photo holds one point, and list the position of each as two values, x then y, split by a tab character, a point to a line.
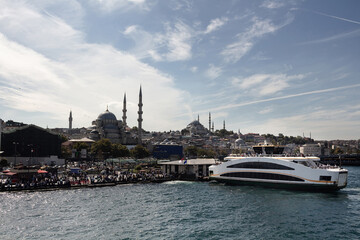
269	66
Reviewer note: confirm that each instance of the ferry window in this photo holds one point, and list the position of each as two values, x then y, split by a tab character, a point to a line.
306	164
211	172
262	175
260	165
325	178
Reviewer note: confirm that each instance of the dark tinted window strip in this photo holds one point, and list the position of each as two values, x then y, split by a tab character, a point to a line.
261	175
260	165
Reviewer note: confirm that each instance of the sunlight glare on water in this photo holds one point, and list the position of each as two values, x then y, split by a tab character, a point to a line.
182	210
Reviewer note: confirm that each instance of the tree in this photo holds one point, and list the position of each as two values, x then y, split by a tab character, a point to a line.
191	151
102	148
118	150
185	132
80	145
65	152
338	151
139	152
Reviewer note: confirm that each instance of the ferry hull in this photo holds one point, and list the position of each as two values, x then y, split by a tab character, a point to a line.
310	187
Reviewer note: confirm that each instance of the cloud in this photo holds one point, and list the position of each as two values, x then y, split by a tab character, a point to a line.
213	72
335	17
184	5
272	4
215	24
266	110
178	42
322	125
245	41
333	38
172	45
145	44
229	106
124	5
50	69
194	69
265	84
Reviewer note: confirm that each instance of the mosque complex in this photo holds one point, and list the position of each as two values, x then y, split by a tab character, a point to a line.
108	126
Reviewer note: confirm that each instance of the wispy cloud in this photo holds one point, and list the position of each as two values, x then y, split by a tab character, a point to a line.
265	84
266	110
215	24
335	17
318	122
124	5
333	38
245	40
213	72
48	77
178	42
271	4
175	44
229	106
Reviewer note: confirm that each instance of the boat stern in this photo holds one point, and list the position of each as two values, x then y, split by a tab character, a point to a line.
342	179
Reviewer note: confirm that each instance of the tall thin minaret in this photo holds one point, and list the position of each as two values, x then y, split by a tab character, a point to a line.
209	121
213	127
70	121
124	112
198	118
224	125
124	121
140	112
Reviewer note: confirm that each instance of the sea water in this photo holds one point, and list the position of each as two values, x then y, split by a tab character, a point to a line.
182	210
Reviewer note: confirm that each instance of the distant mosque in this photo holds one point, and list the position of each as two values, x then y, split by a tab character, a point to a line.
107	126
196	128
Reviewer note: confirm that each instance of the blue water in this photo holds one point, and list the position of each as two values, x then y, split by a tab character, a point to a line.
182	210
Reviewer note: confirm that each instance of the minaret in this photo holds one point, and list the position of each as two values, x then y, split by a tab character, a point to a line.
70	121
224	125
212	128
198	118
209	121
124	121
140	112
124	112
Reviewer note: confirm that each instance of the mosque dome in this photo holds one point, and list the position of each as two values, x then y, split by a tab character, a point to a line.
239	142
195	127
107	116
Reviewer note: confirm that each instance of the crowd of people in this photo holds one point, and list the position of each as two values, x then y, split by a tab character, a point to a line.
86	176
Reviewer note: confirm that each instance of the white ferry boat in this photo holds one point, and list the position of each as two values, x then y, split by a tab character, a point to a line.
303	173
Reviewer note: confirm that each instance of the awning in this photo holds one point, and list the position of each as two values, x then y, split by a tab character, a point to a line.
10	173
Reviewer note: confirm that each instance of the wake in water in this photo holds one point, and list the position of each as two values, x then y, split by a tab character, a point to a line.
178	182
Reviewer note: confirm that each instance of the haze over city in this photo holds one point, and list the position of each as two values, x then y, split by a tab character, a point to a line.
288	67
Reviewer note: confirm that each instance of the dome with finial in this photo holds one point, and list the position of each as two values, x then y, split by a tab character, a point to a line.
107	115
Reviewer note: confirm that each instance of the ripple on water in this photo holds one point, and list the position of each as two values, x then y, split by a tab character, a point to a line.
182	210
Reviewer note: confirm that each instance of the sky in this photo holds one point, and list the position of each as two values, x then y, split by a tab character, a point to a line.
269	66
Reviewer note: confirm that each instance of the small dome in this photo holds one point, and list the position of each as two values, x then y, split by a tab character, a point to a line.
107	116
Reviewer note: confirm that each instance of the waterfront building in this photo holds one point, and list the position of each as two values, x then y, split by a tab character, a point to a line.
31	144
188	168
311	149
168	151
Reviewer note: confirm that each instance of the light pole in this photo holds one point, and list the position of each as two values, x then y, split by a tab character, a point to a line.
15	144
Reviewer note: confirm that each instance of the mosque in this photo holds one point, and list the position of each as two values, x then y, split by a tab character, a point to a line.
108	126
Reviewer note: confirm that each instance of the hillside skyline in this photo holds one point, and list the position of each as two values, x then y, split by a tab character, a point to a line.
262	66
